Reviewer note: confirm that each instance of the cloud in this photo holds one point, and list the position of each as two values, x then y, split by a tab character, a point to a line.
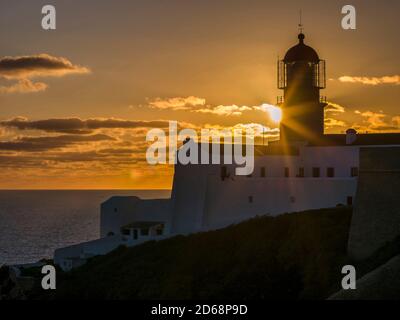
235	110
23	86
115	156
35	144
374	81
41	65
396	121
258	129
177	103
377	121
53	159
225	110
195	104
336	118
334	108
79	126
198	105
25	68
274	112
331	123
127	124
119	151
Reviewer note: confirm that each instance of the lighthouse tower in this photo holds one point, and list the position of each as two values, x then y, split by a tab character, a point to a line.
301	74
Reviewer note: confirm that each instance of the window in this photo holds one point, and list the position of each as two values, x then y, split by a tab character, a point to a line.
110	234
301	173
251	199
126	232
354	172
287	173
349	201
316	172
115	209
159	231
144	232
262	172
330	172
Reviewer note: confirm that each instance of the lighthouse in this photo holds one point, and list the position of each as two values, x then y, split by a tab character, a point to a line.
301	76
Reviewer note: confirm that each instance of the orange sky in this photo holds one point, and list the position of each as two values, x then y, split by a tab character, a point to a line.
76	103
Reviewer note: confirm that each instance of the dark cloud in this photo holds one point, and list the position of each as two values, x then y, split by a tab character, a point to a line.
127	124
115	151
76	156
79	126
15	162
48	159
110	159
73	125
41	65
36	144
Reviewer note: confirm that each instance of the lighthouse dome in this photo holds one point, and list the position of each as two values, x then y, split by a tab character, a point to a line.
301	52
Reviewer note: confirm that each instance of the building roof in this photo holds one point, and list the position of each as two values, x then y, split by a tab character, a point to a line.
367	139
301	52
141	224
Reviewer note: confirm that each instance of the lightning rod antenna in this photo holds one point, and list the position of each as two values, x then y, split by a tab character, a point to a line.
300	21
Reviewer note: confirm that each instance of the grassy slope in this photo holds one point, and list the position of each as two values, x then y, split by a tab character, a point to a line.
293	256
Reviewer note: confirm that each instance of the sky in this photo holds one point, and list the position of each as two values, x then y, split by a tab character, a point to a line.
76	102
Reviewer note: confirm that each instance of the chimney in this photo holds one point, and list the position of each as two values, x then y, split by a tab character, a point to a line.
351	136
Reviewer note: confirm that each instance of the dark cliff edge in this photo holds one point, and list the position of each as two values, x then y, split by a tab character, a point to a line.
292	256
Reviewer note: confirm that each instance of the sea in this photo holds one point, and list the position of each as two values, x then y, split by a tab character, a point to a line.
36	222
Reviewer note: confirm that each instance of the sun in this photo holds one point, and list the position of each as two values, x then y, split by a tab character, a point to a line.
275	113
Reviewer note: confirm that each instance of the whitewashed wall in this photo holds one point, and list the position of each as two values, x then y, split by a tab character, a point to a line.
200	200
228	201
119	211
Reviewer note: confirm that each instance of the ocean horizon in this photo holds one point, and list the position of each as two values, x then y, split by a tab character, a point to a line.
33	223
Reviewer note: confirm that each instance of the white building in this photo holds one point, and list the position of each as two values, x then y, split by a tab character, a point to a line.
306	169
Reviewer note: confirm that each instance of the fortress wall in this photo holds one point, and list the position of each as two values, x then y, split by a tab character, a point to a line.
201	201
376	216
188	198
228	201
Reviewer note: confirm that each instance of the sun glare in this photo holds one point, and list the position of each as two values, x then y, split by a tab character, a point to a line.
275	113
